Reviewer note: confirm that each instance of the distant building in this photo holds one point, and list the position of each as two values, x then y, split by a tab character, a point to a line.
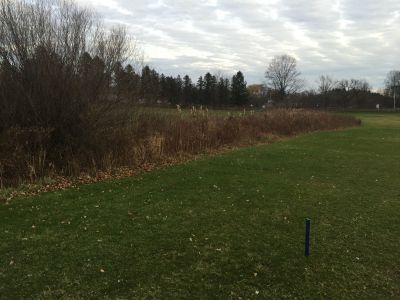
257	89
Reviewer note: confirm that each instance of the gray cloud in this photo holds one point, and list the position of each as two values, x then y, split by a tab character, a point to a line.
352	38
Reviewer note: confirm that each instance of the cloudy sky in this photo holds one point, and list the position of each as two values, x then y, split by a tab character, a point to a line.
342	38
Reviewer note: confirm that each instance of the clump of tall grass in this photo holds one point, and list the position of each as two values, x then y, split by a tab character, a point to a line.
149	138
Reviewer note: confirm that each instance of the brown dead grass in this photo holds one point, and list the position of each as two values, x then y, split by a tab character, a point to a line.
150	140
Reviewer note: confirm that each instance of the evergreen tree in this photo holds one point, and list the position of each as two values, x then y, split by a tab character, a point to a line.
163	88
119	81
155	86
200	91
187	90
178	89
210	89
170	82
239	90
133	83
150	85
223	92
145	83
170	89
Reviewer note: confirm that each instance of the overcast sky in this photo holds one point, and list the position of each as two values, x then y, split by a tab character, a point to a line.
354	38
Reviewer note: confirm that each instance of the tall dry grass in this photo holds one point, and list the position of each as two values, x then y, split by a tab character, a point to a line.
149	138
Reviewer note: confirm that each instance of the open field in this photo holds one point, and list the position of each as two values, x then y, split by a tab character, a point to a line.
226	227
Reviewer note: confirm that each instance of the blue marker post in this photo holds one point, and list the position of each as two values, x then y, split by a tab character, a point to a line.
307	240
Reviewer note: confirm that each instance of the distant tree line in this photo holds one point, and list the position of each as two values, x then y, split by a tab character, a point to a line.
284	87
345	93
148	86
329	94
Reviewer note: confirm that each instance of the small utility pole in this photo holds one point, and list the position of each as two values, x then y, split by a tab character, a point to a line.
394	94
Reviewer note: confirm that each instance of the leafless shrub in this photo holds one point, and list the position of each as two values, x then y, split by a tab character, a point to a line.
57	64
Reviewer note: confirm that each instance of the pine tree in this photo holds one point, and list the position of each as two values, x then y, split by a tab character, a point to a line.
150	84
178	89
223	92
239	90
163	88
210	89
200	91
133	83
119	81
187	90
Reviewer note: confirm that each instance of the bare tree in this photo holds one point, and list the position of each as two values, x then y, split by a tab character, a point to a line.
351	90
358	89
359	85
325	85
392	83
343	86
283	76
57	65
57	60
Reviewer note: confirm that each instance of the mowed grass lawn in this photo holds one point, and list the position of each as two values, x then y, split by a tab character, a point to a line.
226	227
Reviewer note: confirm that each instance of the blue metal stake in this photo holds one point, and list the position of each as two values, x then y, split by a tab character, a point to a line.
307	240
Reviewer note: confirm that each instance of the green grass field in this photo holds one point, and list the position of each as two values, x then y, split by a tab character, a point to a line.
226	227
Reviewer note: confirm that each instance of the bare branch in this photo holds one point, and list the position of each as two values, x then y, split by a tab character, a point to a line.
283	76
